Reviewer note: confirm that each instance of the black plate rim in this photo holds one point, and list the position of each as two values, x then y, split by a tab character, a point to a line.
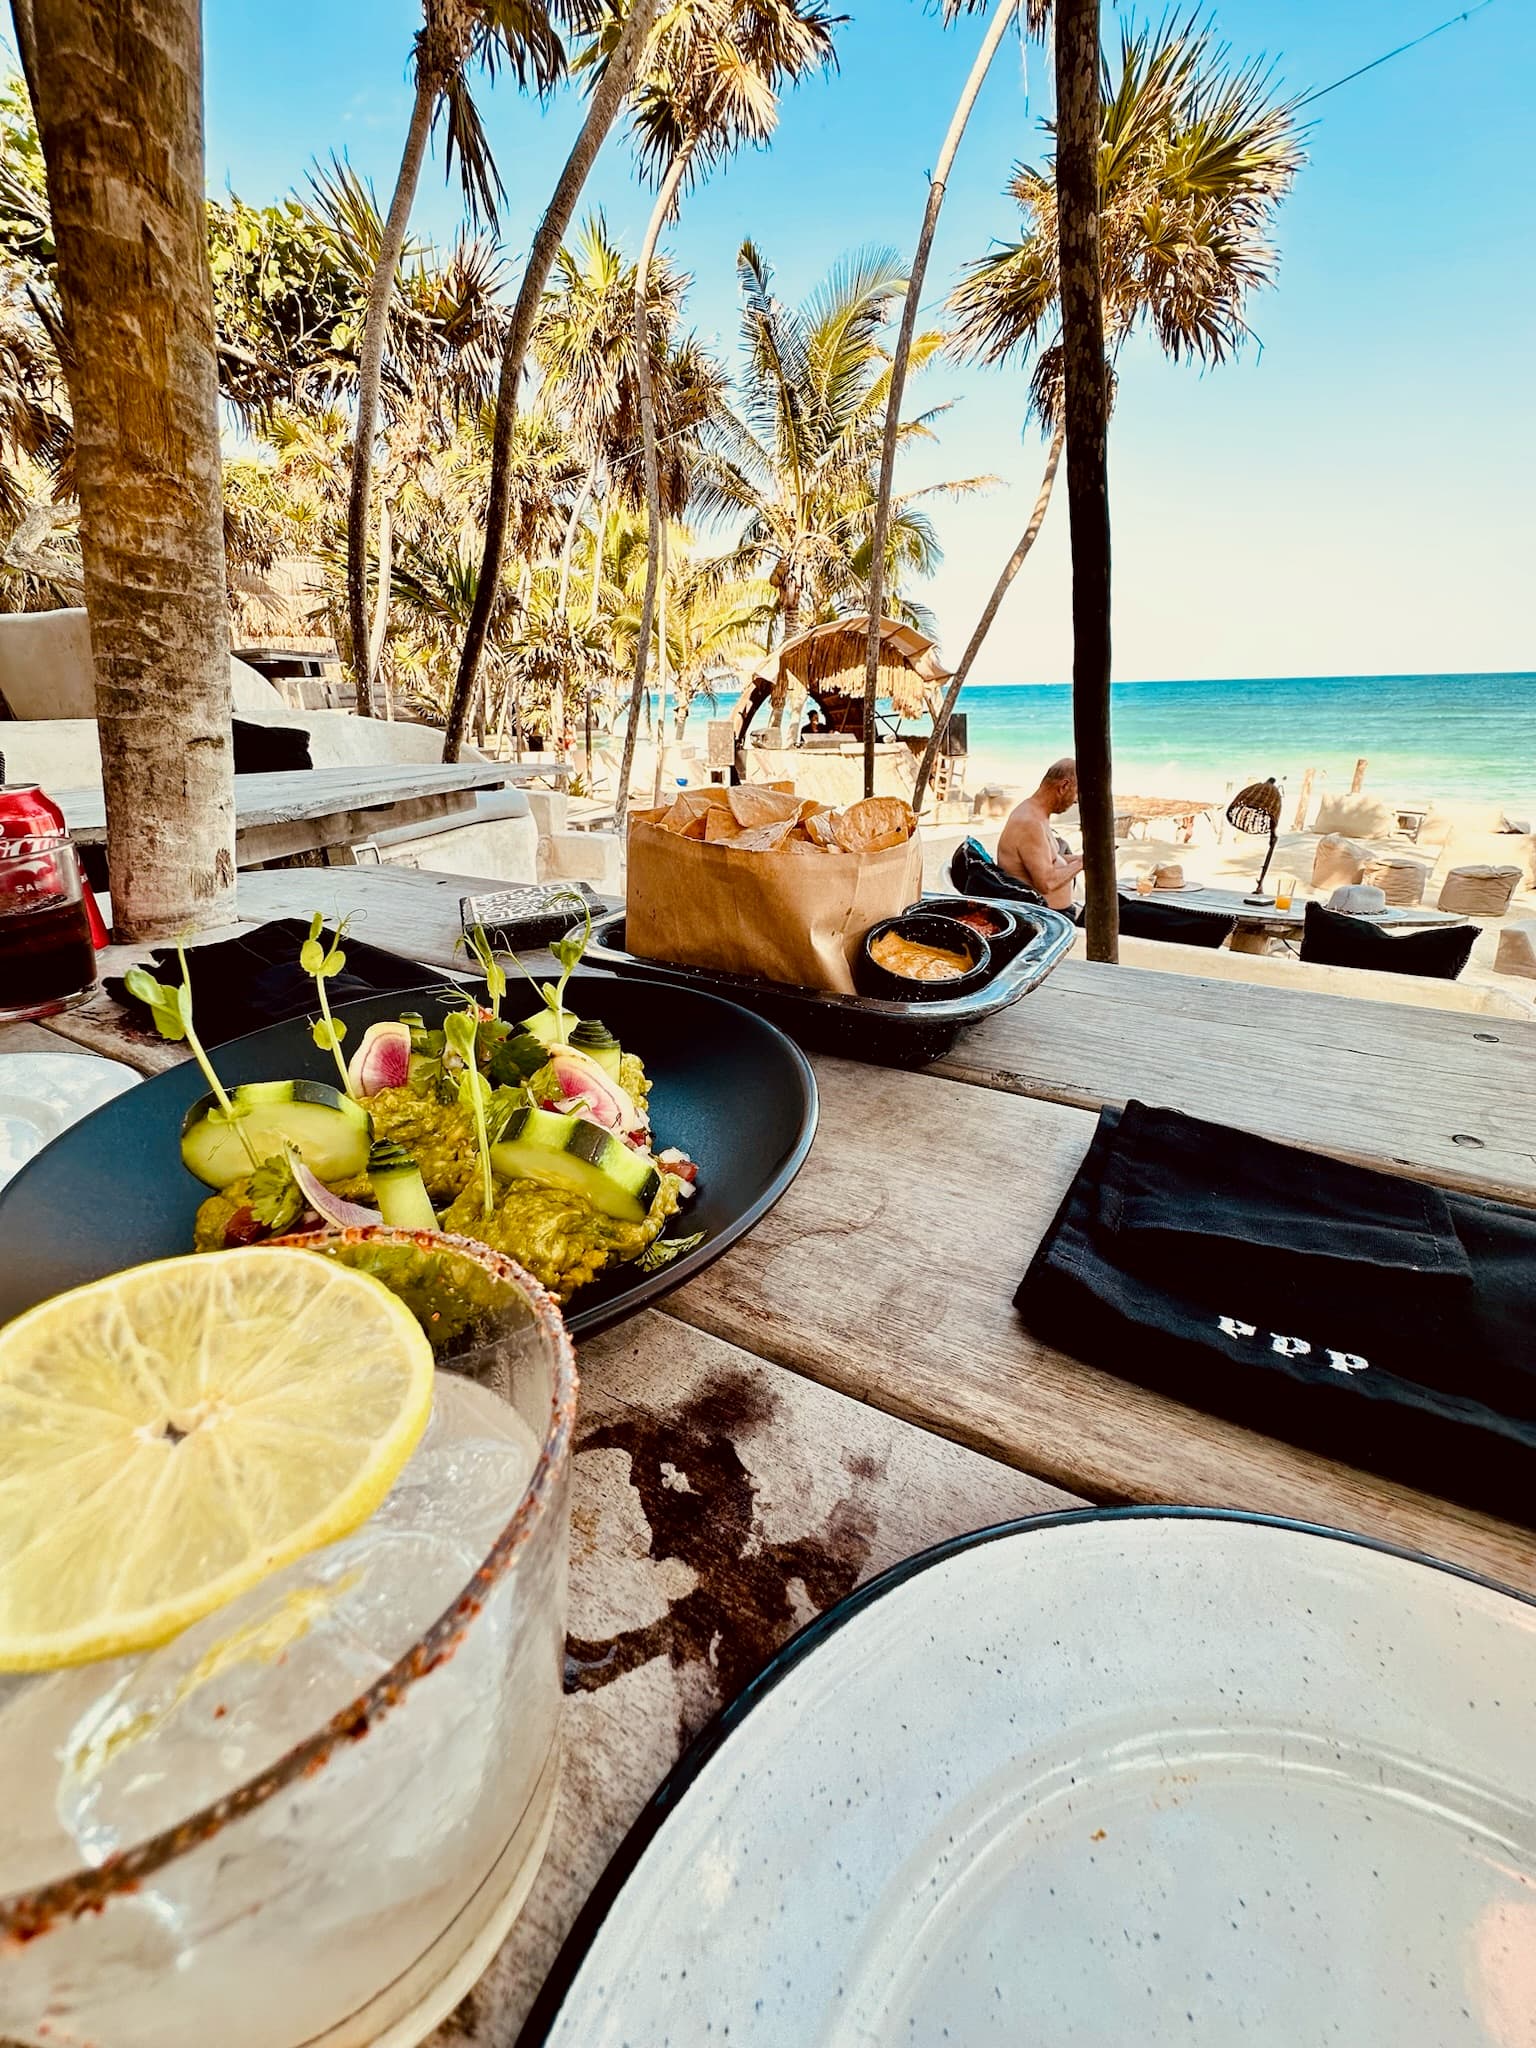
648	1288
621	1866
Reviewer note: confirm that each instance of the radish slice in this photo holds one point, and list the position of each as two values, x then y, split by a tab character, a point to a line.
341	1215
607	1103
382	1060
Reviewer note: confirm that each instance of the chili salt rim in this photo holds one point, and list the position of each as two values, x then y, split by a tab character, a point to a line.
28	1914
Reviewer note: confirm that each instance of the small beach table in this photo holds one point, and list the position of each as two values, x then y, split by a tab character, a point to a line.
323	812
1267	917
852	1383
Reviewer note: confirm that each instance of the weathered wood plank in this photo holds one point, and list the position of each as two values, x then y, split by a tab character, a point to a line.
1447	1097
888	1272
718	1505
410	911
339	829
315	792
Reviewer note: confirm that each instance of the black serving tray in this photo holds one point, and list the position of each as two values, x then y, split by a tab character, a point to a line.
890	1034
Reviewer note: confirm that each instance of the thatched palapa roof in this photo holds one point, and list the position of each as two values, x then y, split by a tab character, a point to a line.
830	657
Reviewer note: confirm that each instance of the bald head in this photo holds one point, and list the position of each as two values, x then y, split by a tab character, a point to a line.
1058	785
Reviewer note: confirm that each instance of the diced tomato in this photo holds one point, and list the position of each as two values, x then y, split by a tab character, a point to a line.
243	1228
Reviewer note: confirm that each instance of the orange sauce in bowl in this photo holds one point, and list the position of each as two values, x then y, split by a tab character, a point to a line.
916	962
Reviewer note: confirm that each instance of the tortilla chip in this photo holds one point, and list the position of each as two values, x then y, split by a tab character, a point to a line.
689	810
719	824
751	805
818	829
765	838
874	824
811	809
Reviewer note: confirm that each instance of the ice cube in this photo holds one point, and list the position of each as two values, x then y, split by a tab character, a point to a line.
234	1693
37	1711
463	1408
470	1471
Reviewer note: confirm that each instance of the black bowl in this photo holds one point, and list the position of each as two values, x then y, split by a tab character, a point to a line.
924	928
1010	933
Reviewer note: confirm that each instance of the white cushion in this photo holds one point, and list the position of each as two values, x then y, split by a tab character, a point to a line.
46	671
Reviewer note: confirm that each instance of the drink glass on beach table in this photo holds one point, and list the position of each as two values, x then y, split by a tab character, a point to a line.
47	959
313	1816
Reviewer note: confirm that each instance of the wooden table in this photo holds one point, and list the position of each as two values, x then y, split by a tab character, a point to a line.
1269	917
1184	812
321	810
853	1382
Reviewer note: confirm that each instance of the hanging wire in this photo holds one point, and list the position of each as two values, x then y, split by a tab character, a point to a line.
1323	90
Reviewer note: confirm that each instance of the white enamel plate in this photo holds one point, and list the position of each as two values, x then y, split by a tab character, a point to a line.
43	1093
1163	1777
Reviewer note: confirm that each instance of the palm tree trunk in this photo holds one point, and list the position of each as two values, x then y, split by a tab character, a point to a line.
990	44
662	674
656	552
1011	568
380	625
119	104
602	110
1078	129
370	371
599	541
789	626
578	513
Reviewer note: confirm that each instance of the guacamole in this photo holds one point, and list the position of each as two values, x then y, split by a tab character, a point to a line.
554	1232
561	1239
440	1137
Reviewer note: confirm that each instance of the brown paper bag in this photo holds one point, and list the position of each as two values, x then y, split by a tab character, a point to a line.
707	903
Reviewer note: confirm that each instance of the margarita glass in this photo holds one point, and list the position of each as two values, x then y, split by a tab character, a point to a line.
312	1816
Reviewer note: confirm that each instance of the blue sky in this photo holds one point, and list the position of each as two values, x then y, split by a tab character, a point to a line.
1354	499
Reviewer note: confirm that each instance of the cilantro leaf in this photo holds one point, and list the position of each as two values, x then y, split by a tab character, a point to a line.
276	1199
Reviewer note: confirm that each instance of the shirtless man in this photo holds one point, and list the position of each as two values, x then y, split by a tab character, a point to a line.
1031	852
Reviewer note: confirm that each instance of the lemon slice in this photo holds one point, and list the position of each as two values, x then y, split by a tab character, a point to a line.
171	1435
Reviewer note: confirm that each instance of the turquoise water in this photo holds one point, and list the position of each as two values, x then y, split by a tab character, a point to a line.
1466	736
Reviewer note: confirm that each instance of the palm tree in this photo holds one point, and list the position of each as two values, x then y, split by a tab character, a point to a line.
938	184
713	626
117	85
712	84
799	462
454	36
627	23
585	345
1194	159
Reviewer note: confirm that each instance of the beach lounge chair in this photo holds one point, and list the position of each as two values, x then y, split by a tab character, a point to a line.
1175	926
973	872
1330	939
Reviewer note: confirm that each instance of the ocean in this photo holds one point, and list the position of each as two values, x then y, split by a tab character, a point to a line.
1442	736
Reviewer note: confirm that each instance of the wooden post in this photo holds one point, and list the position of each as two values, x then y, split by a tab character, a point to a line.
119	100
1299	822
1078	129
1358	783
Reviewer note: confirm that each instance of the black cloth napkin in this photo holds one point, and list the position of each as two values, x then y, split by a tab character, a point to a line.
1372	1319
242	984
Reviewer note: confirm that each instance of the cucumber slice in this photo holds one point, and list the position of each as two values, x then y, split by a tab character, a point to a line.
569	1152
398	1188
330	1131
598	1043
550	1030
